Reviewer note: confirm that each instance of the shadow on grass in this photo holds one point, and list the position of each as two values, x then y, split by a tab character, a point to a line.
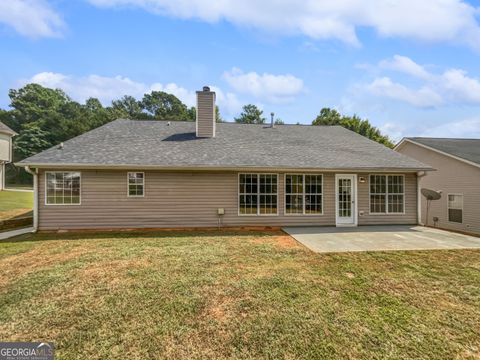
187	233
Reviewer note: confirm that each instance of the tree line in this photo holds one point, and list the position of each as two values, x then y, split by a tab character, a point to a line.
44	117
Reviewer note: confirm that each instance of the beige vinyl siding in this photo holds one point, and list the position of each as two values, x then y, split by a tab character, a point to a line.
206	114
188	199
452	177
410	205
5	147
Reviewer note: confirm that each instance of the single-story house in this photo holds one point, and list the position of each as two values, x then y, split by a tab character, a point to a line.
6	135
457	162
159	174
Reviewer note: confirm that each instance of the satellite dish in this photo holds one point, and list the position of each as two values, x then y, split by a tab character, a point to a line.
430	195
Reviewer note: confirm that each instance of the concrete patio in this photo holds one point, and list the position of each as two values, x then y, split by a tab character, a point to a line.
380	238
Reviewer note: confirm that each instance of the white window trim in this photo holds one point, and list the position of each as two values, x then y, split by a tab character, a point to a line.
303	195
386	196
128	183
258	194
62	172
448	207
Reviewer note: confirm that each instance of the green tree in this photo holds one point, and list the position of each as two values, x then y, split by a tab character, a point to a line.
279	121
31	141
251	114
128	107
34	102
328	116
163	106
363	127
218	116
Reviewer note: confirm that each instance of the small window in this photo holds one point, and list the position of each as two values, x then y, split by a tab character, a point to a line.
62	188
303	194
387	194
257	194
455	208
136	184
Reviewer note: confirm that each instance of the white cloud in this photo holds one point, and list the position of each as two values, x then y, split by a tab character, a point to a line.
460	87
273	88
405	65
81	88
453	86
393	130
451	21
32	18
107	89
423	97
467	128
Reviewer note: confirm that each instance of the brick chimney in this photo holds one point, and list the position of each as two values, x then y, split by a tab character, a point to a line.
205	113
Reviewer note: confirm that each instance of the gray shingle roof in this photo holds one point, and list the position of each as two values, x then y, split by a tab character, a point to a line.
154	143
5	129
468	149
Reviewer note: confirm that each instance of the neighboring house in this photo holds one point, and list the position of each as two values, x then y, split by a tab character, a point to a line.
6	153
457	162
159	174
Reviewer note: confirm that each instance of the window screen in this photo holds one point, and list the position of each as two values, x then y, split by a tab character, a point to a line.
455	208
62	188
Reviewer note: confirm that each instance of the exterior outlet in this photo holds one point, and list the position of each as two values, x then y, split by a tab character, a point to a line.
205	126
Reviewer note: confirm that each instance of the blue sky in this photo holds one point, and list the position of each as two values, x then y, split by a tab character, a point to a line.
410	67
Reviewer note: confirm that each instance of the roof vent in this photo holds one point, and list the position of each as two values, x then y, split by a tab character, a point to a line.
60	146
168	123
206	88
272	123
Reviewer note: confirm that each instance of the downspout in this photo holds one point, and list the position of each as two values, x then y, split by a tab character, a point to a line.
35	196
420	174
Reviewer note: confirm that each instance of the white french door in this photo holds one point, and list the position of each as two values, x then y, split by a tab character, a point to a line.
346	199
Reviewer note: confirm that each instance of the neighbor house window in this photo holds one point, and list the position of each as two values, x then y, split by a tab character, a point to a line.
387	194
258	194
303	194
455	208
62	188
136	184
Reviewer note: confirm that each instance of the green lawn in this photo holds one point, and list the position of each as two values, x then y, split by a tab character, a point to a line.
15	203
244	294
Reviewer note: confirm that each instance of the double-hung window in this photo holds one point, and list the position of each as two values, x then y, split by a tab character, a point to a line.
62	188
455	208
136	184
257	194
387	194
303	194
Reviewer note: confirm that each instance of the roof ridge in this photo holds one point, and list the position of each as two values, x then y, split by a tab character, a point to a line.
440	138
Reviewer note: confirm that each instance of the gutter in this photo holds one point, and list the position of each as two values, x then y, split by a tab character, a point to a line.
90	166
420	174
35	196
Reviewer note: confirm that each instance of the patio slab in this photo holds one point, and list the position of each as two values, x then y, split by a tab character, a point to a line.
380	238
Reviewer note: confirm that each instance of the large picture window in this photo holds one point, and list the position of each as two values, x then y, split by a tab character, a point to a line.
258	194
303	194
62	188
136	184
455	208
387	194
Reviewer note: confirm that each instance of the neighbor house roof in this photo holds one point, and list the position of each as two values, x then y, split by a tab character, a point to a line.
466	149
6	130
160	144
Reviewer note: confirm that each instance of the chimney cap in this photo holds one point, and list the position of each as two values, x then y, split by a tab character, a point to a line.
206	88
